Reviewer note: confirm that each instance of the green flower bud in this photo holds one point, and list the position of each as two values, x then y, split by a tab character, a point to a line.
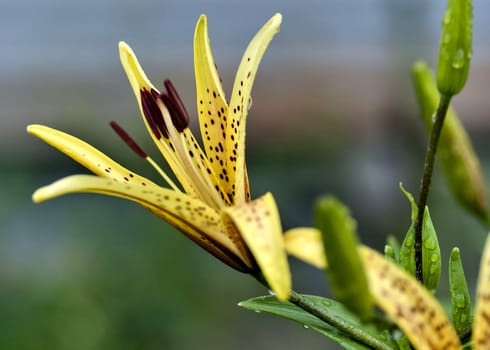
345	270
460	296
459	162
390	254
431	253
395	247
455	48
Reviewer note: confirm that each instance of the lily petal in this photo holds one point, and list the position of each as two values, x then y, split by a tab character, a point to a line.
87	155
481	323
136	76
408	304
196	220
211	102
305	243
259	224
140	82
239	105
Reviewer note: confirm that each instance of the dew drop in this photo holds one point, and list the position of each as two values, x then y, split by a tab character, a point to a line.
249	103
447	17
434	257
306	326
458	59
459	300
258	311
430	244
327	302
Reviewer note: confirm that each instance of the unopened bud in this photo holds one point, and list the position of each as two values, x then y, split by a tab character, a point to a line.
345	270
455	47
460	296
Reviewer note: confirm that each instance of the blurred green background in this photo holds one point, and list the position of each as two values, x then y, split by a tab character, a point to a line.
333	113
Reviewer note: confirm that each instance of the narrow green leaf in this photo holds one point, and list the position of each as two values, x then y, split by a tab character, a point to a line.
290	311
431	253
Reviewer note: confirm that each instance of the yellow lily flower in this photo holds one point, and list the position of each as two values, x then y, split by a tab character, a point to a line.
213	206
406	301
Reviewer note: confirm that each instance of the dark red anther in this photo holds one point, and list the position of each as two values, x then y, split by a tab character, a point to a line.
178	121
127	139
153	114
180	117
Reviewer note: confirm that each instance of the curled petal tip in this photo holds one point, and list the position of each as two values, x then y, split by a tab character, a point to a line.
39	196
277	18
123	46
31	128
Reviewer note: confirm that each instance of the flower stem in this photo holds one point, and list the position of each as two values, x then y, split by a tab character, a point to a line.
323	314
439	117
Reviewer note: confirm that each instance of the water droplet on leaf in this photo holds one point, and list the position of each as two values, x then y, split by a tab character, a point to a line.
459	59
327	302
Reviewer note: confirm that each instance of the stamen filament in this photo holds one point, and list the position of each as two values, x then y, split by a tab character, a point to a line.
163	174
200	181
128	140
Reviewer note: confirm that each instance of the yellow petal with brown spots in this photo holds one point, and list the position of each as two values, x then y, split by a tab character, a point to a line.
481	323
136	76
198	221
239	105
85	154
211	103
408	304
305	243
259	225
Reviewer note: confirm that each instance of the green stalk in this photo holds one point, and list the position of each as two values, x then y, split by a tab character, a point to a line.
439	117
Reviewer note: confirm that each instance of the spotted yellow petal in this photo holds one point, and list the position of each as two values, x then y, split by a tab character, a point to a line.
259	224
85	154
408	304
239	105
305	243
481	323
140	82
136	76
198	221
211	104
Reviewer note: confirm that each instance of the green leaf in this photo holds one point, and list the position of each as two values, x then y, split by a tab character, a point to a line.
290	311
431	253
